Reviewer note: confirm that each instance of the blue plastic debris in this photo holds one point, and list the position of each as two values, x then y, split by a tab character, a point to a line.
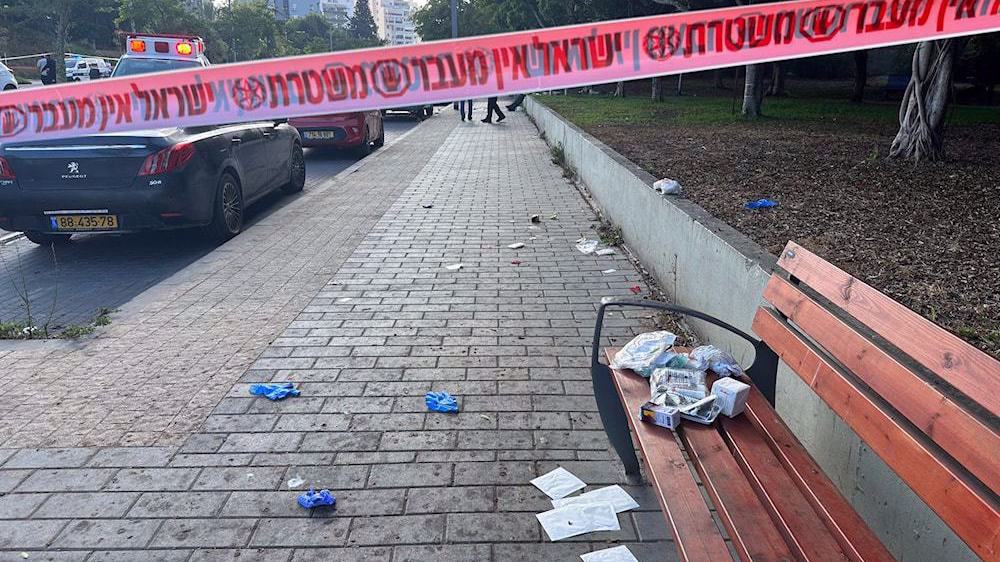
761	204
274	391
441	402
313	499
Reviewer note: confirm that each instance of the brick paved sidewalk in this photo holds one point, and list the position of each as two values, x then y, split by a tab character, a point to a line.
511	341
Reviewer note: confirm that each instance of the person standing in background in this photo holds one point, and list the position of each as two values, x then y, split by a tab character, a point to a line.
461	109
493	106
518	100
47	69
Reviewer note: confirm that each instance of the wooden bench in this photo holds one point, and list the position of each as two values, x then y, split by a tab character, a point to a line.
922	399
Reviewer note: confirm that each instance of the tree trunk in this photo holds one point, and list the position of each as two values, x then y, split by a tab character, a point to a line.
860	76
778	73
619	90
753	91
680	84
719	84
657	94
922	112
62	28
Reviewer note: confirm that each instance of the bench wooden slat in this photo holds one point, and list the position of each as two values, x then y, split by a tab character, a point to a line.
696	535
856	539
750	527
974	518
801	525
963	436
968	369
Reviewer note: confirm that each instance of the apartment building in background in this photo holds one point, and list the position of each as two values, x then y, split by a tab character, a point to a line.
394	19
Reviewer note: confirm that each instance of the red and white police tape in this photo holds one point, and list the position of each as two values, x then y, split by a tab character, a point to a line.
473	67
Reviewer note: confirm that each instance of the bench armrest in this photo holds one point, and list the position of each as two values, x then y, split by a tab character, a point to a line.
762	372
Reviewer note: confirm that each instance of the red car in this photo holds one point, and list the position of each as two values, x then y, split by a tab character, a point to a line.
361	131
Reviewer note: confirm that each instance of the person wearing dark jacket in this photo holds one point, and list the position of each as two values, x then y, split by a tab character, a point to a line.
47	70
95	73
518	100
493	106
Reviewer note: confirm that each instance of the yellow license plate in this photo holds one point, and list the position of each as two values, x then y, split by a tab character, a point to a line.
84	222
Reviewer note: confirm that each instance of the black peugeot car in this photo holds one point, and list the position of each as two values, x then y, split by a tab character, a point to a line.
147	180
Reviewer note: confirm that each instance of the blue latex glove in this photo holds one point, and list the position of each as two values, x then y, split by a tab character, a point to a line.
313	499
274	391
441	402
761	204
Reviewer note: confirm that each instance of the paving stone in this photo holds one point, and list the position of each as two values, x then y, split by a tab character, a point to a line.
220	533
132	457
86	505
146	555
301	532
107	533
375	457
49	458
494	439
411	475
417	440
313	422
362	503
352	554
492	473
18	535
264	504
522	498
450	500
492	527
19	506
338	477
450	552
9	479
239	423
242	555
239	478
151	479
211	459
334	441
177	504
57	556
543	552
67	480
401	529
260	442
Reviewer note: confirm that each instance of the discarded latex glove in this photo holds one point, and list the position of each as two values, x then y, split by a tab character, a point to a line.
274	391
313	499
667	186
441	402
761	204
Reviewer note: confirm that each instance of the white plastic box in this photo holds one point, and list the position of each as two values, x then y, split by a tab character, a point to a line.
731	395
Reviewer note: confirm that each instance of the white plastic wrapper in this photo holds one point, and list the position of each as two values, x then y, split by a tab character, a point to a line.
577	519
709	357
559	483
667	186
646	352
685	382
615	554
615	495
586	246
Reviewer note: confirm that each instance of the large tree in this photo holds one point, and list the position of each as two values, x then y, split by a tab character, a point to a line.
475	17
922	112
362	24
753	91
250	30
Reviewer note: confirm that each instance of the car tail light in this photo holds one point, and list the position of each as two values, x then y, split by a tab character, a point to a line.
6	172
137	46
184	48
167	160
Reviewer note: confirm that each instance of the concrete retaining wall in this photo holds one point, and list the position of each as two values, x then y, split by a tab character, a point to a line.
705	264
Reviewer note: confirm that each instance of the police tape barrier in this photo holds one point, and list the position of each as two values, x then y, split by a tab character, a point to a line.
443	71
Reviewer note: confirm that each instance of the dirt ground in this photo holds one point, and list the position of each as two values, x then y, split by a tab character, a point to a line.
927	235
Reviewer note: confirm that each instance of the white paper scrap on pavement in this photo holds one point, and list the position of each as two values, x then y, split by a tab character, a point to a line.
616	554
559	483
515	245
586	246
604	252
614	495
455	267
577	519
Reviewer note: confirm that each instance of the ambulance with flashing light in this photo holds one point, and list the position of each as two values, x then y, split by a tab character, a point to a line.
157	179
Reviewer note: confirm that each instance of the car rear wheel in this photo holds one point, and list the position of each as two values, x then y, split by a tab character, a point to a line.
380	141
227	217
298	177
10	87
365	148
44	239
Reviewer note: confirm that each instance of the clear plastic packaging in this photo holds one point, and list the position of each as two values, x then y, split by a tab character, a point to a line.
685	382
709	357
647	352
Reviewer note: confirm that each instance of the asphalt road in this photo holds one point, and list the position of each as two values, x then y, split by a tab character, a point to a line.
105	271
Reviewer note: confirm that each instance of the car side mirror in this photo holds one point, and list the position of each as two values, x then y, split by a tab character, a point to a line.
280	121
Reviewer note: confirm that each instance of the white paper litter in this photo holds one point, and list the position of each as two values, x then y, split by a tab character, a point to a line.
586	246
296	482
558	483
604	252
455	267
615	495
515	245
344	299
608	271
577	519
616	554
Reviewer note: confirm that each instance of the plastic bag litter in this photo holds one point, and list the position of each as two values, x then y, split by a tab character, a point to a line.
313	499
577	519
274	391
686	382
586	245
441	402
604	252
615	495
516	245
614	554
667	186
295	482
709	357
761	204
558	483
455	266
646	352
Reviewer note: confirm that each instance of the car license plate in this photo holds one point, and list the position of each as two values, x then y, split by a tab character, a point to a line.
320	135
84	222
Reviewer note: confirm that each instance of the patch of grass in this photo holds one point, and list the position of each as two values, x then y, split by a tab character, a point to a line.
11	330
74	331
103	316
558	155
610	234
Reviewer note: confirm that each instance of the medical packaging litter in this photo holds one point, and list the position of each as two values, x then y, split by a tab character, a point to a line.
613	554
276	391
558	483
647	352
686	382
731	396
577	519
615	495
711	358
